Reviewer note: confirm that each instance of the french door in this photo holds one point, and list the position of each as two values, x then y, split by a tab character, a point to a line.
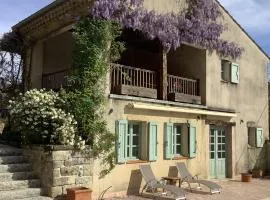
217	152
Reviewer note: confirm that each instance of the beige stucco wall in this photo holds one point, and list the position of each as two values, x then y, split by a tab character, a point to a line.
249	98
125	177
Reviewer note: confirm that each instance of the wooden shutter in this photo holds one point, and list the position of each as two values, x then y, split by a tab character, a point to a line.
235	73
259	137
153	127
168	140
121	130
192	141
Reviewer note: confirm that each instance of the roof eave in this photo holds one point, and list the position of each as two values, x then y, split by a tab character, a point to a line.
37	14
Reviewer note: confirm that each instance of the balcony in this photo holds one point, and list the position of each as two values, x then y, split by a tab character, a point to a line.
139	82
131	81
183	90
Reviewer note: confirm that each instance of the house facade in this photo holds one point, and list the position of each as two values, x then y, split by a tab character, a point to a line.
189	105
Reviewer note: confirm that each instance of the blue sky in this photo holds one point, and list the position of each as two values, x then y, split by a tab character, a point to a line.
253	15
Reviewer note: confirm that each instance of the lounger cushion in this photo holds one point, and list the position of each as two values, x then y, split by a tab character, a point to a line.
179	192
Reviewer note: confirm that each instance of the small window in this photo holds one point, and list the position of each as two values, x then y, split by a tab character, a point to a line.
230	72
225	70
255	137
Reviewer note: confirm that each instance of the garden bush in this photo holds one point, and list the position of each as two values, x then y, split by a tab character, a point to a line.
38	116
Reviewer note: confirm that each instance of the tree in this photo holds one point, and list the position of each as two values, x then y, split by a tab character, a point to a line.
11	65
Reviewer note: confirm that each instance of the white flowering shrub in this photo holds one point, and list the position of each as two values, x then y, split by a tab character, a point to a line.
37	114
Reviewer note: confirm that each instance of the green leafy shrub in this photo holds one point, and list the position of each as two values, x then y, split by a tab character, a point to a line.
38	116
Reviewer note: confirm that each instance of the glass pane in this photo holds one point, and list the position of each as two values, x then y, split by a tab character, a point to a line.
223	133
219	147
223	140
223	155
178	129
223	147
219	155
212	132
178	139
128	152
178	149
136	129
128	140
212	147
219	140
212	140
135	140
135	152
219	133
212	155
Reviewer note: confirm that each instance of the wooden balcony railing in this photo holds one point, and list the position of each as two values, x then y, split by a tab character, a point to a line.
55	80
178	84
183	89
125	75
133	81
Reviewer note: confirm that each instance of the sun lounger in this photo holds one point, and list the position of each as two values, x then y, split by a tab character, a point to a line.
187	177
152	184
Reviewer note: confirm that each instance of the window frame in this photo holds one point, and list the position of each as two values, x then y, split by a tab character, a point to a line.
129	146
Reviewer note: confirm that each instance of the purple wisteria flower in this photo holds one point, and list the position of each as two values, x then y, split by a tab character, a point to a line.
197	26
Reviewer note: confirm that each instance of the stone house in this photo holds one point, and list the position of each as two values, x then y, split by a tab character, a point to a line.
188	105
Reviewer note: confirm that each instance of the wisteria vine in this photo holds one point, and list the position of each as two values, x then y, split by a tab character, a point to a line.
198	25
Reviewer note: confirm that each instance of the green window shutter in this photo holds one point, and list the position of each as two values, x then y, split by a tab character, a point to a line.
235	73
153	127
192	141
259	137
168	141
121	130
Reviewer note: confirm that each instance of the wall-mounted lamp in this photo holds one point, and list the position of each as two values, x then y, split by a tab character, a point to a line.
110	111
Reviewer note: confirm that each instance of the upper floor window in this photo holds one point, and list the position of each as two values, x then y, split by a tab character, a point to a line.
229	71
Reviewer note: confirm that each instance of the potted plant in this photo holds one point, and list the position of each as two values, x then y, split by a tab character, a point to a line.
79	193
257	173
246	177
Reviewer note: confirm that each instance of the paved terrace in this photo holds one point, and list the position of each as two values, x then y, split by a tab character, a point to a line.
258	189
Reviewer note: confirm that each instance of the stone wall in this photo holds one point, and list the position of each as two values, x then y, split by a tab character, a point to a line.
60	168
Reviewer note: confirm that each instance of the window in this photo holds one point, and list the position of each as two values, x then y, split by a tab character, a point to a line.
255	137
225	70
133	140
136	141
179	139
229	71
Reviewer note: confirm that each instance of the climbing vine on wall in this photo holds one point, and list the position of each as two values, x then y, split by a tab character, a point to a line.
197	25
94	48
